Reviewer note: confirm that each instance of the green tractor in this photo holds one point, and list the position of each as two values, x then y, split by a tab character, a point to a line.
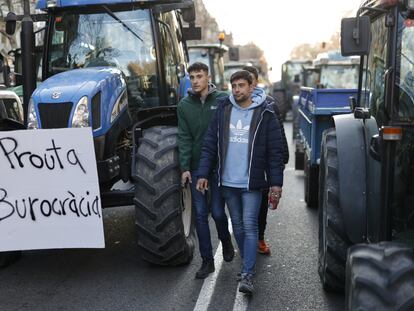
366	192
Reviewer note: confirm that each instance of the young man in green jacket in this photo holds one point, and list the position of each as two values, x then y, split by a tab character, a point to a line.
194	114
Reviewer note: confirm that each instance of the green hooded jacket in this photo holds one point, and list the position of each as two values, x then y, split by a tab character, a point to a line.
193	120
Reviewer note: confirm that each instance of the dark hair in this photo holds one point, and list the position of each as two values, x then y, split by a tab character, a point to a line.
198	66
252	70
241	74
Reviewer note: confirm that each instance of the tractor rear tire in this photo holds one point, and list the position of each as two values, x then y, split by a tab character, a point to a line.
333	240
311	183
163	213
7	258
380	277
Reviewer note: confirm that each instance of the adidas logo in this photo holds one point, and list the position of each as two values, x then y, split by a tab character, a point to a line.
239	129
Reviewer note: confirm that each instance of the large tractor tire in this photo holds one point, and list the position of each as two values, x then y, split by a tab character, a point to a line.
380	277
164	220
311	184
333	240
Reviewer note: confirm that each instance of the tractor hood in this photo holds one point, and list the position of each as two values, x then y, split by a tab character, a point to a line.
60	94
72	85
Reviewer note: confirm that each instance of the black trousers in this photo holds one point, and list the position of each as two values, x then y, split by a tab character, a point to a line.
263	214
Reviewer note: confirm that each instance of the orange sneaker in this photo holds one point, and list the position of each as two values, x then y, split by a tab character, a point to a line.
263	248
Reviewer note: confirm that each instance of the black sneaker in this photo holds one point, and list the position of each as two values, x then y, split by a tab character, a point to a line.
207	267
228	250
238	277
246	284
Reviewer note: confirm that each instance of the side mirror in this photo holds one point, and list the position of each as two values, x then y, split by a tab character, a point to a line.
189	14
192	33
11	19
234	54
355	36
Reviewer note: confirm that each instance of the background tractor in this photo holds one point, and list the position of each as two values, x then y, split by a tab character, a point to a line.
211	54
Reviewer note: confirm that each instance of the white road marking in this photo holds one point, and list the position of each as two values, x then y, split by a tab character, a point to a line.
241	302
206	292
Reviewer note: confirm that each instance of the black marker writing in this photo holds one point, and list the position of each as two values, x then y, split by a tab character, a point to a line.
79	205
22	158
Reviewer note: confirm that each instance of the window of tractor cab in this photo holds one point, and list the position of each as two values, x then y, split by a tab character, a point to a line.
374	70
405	72
339	76
11	109
403	202
121	39
218	70
173	53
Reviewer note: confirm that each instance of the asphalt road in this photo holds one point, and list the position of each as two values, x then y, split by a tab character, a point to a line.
115	278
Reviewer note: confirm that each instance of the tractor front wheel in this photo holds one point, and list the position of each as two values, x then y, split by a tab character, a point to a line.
164	219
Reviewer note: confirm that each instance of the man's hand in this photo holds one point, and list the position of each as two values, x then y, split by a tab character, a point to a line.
202	185
276	190
275	194
185	177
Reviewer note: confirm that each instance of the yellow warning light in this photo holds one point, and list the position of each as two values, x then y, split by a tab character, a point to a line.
221	36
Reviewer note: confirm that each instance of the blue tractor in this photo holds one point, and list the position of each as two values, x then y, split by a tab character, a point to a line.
366	198
336	83
119	67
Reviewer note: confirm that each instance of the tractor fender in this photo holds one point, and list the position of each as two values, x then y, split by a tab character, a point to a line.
353	149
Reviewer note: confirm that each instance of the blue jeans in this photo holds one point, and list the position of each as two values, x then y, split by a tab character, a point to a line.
200	206
244	206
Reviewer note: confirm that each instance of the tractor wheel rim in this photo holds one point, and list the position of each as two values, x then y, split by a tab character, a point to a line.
186	210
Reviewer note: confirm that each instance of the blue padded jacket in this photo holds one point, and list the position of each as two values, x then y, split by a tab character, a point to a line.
265	145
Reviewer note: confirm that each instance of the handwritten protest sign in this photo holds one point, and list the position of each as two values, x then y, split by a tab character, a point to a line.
49	192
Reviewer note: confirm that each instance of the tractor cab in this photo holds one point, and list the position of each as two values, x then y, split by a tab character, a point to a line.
336	71
212	56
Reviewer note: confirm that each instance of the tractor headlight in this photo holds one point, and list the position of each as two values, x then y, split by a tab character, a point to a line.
121	102
81	115
32	117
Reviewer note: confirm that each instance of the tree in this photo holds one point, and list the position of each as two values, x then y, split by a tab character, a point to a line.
310	51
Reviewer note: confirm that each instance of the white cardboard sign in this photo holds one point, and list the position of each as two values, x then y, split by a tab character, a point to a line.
49	191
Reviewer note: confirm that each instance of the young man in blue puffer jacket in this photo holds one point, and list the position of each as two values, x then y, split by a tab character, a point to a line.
244	135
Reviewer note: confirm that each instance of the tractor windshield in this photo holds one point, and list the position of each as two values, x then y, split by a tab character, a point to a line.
120	39
199	55
339	76
405	80
291	70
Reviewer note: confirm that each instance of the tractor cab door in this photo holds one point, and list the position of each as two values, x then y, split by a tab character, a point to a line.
172	52
388	90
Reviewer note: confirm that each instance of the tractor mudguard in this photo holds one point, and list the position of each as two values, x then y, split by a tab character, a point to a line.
353	139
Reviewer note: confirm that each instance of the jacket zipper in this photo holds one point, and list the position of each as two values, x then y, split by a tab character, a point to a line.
218	153
251	151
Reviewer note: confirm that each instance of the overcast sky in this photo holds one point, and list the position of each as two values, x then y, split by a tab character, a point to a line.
277	26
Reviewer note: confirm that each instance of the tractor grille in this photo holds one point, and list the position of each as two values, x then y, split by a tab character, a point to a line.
96	111
55	115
